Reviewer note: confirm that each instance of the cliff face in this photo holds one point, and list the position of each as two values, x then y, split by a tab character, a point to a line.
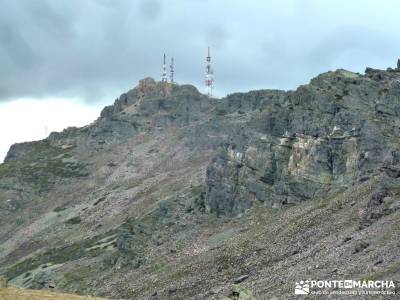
340	129
193	192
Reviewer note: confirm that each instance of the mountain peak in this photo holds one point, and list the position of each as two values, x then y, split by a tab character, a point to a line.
138	190
149	89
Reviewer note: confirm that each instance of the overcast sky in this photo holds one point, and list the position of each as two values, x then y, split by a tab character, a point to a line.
62	61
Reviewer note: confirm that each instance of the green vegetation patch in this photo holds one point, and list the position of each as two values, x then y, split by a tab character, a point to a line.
108	243
6	169
73	221
25	279
43	165
199	195
77	280
55	256
386	273
59	209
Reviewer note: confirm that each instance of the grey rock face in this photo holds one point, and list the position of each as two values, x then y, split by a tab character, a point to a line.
275	147
17	151
320	138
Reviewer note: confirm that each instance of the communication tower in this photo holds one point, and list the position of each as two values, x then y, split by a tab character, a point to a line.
171	71
164	72
209	75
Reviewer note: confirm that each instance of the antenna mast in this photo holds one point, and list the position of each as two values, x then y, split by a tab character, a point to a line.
209	75
172	71
164	72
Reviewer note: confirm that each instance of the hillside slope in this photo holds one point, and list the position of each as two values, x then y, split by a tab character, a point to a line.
171	194
20	294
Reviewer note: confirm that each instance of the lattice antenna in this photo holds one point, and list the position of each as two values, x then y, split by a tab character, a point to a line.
171	71
209	75
164	71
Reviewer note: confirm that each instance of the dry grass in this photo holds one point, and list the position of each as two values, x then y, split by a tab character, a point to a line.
21	294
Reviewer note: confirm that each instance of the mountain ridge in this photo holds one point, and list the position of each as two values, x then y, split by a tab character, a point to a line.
194	193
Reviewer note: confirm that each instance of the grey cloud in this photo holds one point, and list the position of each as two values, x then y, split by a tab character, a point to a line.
150	9
217	36
96	49
16	51
49	19
350	38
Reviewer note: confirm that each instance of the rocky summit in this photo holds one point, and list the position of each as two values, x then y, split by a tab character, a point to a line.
171	194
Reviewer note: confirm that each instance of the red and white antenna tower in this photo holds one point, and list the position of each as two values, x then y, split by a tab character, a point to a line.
209	75
171	71
164	72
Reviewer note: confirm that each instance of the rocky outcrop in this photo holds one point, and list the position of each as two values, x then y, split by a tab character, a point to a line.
275	147
341	128
17	151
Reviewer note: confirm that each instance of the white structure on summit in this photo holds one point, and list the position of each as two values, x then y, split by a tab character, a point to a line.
164	72
209	75
171	71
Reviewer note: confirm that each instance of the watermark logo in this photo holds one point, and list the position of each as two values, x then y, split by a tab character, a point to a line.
348	284
302	288
345	287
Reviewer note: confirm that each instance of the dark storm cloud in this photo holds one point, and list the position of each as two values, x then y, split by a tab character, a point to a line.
95	49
